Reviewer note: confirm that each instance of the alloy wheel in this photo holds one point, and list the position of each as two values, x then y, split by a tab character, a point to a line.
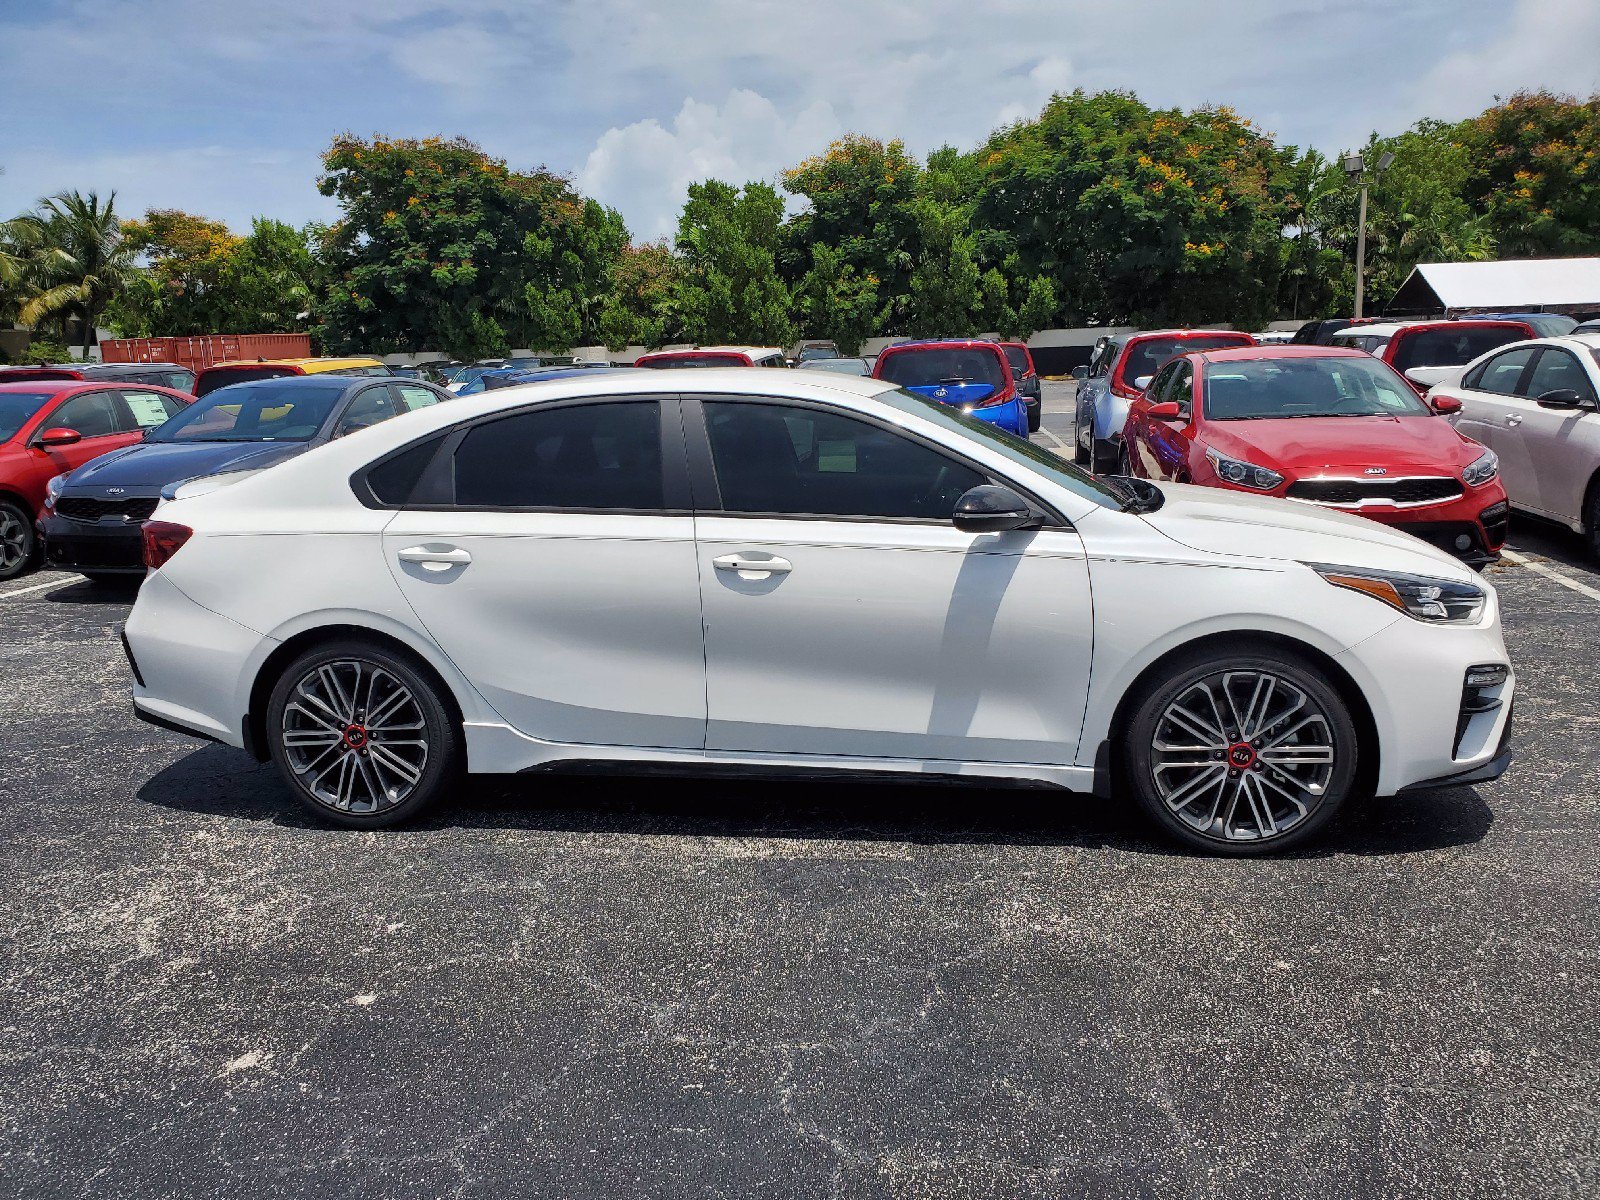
354	736
1243	756
14	541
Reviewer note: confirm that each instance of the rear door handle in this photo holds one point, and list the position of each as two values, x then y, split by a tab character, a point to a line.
752	568
435	557
1514	419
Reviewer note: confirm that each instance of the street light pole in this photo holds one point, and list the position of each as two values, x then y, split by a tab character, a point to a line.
1355	167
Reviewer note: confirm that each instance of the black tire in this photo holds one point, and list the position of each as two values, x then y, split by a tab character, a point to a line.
366	768
1591	518
1105	458
1035	415
1124	462
1213	802
19	542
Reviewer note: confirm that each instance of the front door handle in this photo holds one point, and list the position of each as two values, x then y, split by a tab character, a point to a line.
435	556
753	568
1514	419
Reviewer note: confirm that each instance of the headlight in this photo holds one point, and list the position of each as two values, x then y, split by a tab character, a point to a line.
1233	470
52	490
1436	601
1484	468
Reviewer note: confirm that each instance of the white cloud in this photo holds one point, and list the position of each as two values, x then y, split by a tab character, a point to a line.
644	169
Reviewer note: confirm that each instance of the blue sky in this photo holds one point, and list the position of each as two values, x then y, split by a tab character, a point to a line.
222	107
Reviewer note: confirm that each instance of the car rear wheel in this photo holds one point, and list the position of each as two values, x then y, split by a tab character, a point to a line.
1105	458
362	735
1240	752
1124	462
18	544
1591	518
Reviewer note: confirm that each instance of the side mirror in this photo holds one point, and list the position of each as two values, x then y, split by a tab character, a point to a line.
990	508
59	436
1445	405
1080	373
1561	398
1167	411
1143	382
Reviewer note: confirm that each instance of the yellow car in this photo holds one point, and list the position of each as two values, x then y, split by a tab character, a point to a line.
223	373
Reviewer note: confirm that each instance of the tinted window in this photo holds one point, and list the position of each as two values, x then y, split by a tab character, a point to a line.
182	381
941	364
1501	373
393	479
150	409
1450	347
1558	371
370	406
92	414
1018	358
286	412
210	381
774	458
587	456
1181	390
1261	389
16	408
697	360
1146	357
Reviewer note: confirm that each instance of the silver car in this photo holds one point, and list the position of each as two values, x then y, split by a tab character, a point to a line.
1536	404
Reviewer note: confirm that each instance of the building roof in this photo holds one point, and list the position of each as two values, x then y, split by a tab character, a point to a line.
1515	284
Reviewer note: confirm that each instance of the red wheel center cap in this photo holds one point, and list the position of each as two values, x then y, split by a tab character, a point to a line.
1240	756
355	737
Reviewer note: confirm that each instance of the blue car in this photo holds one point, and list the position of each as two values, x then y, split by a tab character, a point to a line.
967	374
499	377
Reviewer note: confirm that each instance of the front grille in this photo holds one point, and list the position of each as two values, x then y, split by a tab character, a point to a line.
1352	492
86	508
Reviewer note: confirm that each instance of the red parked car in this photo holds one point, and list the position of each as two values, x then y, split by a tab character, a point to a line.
1425	352
1328	426
1029	386
50	427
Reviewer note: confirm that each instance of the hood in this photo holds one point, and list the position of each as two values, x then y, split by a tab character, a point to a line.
1312	446
953	393
1218	521
149	466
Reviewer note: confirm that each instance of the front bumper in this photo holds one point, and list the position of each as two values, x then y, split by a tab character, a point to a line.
110	547
1472	527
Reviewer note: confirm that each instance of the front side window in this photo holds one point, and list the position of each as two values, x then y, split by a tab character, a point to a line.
1181	389
91	414
417	397
1558	371
1502	373
775	458
16	408
371	406
583	456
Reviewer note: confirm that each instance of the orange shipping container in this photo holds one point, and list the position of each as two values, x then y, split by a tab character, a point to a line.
198	353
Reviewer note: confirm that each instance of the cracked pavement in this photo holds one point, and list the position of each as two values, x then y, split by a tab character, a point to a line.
615	987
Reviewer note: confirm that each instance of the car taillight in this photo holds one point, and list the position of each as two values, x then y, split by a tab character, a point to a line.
163	539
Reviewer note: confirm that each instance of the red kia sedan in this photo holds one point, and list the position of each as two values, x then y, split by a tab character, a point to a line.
1326	426
50	427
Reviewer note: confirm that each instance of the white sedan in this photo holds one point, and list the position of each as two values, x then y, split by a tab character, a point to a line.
751	569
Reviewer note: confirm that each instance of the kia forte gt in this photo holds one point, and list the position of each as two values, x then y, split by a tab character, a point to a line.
764	571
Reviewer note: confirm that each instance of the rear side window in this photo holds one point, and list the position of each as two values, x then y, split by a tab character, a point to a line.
583	456
92	414
1501	373
417	397
1450	347
1018	358
1558	371
773	458
393	480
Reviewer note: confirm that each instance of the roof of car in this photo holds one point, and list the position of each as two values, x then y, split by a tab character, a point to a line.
322	379
1182	333
47	385
751	350
918	343
356	361
1256	353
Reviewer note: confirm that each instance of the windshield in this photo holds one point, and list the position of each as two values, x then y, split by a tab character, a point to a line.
1035	458
844	366
1150	355
696	360
809	353
16	408
1018	358
285	413
1270	389
923	367
1451	347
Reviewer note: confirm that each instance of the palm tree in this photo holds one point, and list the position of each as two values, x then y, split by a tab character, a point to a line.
77	259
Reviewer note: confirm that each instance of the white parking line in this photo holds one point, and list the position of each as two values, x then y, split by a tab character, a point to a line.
1060	445
1539	568
38	587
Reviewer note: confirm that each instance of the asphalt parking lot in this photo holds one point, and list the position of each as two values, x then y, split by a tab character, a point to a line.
610	988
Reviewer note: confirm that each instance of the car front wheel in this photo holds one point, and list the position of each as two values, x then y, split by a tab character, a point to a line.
1240	753
362	735
17	541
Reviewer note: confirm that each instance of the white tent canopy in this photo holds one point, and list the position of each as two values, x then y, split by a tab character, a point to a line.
1517	284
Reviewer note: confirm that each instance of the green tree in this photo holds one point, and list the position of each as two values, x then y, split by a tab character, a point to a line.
640	296
269	284
179	292
78	260
948	293
729	289
1534	167
1141	216
433	248
835	301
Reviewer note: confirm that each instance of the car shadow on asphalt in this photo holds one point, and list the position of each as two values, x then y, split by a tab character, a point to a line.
220	782
86	591
1548	540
